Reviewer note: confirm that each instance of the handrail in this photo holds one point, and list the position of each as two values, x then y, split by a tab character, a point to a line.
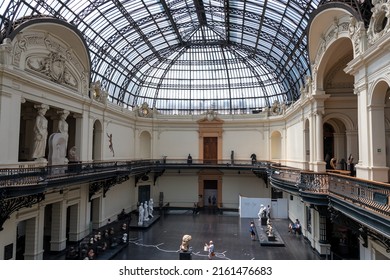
374	195
26	176
369	194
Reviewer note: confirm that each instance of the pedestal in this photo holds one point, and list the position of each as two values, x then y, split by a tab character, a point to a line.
185	255
263	221
271	238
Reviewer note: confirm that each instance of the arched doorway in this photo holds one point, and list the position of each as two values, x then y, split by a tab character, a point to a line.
276	145
328	144
379	115
145	145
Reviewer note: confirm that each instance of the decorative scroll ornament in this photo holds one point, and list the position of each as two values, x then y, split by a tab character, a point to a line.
211	115
380	22
98	92
144	111
54	67
277	108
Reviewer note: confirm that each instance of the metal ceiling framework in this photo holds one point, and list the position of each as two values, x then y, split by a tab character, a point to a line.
189	56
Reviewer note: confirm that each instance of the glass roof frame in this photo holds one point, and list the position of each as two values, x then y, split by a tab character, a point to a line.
153	50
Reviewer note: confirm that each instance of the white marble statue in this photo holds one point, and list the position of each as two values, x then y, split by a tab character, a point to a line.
57	149
40	132
63	126
262	212
72	154
151	207
141	212
146	211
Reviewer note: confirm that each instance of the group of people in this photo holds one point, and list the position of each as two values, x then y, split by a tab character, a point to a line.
295	227
100	241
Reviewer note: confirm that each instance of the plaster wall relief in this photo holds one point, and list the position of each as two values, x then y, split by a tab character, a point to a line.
46	56
277	108
144	110
357	33
380	23
307	89
98	93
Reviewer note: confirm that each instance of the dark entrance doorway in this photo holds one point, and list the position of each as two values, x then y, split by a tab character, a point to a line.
143	193
328	144
210	150
210	193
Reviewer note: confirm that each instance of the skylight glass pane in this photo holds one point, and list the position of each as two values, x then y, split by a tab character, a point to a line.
180	65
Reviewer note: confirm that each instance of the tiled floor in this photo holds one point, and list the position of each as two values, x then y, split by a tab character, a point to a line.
229	232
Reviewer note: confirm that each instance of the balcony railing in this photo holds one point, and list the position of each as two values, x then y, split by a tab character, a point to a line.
368	194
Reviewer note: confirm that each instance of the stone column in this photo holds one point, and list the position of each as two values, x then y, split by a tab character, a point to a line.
82	137
320	164
34	237
74	228
58	227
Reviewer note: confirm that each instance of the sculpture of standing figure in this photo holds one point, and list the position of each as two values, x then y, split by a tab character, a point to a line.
63	128
141	212
151	207
40	132
262	212
146	211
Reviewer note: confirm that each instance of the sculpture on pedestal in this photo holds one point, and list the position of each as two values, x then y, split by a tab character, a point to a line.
184	247
146	211
151	207
141	214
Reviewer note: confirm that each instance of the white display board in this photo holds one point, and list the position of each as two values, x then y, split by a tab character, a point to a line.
249	207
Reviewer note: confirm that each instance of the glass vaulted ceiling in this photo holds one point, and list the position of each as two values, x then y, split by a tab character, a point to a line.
188	56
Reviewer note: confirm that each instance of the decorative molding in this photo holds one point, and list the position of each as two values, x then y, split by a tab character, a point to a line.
380	21
98	93
49	57
53	66
105	185
9	206
144	110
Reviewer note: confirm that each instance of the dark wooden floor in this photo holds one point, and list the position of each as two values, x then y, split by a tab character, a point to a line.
229	232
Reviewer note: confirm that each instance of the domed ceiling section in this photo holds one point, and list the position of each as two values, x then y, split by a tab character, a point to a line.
188	56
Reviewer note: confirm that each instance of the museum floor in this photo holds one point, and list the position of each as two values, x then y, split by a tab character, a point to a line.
229	232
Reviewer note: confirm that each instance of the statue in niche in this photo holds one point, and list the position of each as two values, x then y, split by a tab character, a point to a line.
63	126
40	132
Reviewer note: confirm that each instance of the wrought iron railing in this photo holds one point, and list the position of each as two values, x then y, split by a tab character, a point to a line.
368	194
363	193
